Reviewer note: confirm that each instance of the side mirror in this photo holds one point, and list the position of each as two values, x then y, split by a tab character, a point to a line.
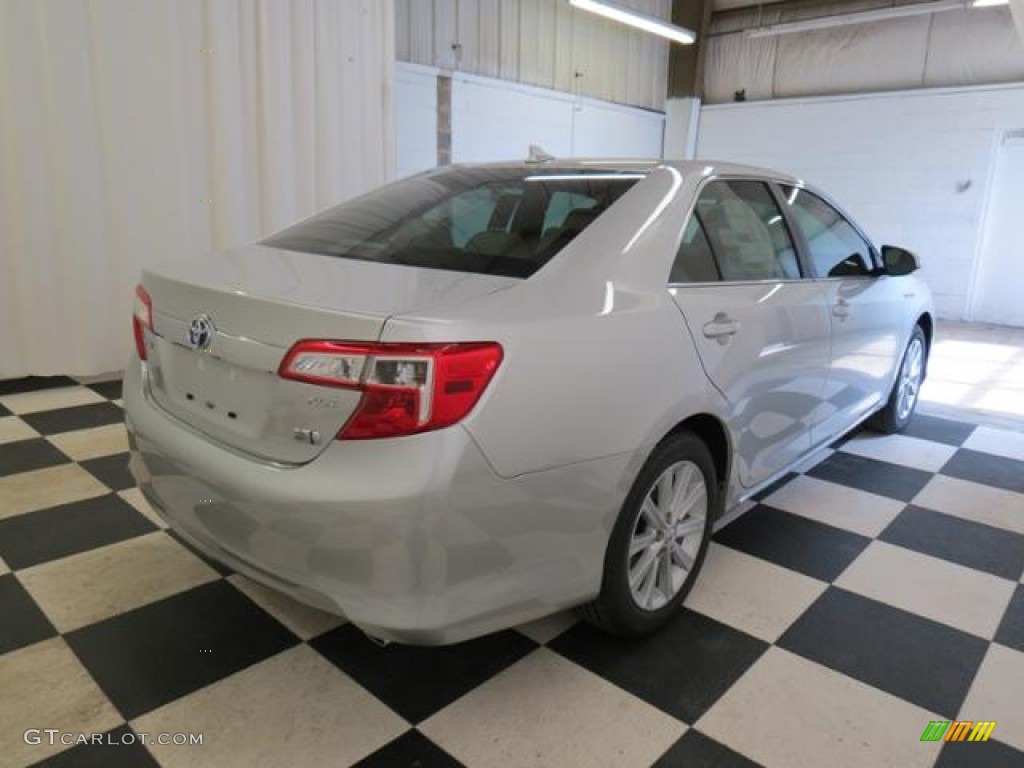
899	261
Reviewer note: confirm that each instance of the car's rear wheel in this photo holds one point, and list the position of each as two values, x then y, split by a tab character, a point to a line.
903	399
660	539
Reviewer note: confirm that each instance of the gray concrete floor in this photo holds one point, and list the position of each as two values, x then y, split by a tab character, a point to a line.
976	372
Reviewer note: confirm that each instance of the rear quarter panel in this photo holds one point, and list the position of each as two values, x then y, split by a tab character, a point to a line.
597	359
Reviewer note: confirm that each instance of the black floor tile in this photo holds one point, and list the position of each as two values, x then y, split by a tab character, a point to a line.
808	546
111	752
150	656
111	390
979	754
32	383
881	477
111	470
938	430
682	669
76	417
1011	629
416	682
922	661
410	750
977	546
695	750
37	537
26	455
979	467
773	487
21	621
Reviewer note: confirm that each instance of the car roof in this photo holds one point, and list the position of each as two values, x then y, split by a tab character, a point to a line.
644	165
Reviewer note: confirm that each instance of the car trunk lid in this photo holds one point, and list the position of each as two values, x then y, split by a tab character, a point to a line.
222	325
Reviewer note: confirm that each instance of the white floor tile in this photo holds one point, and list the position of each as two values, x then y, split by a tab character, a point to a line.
1002	400
974	501
84	444
900	449
751	594
786	711
1001	442
42	488
295	708
49	399
546	629
927	586
996	694
45	686
91	586
546	711
13	429
850	508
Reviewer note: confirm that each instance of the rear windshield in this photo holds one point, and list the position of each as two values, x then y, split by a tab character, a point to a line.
497	221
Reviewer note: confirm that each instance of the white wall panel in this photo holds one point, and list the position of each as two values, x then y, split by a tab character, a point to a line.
539	42
496	120
415	119
912	167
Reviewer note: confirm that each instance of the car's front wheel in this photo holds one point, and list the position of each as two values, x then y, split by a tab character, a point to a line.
903	398
660	539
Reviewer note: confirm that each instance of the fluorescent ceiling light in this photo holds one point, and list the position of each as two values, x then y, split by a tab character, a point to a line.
989	3
860	17
638	20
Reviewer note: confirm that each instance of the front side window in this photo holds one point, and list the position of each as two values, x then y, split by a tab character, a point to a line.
746	231
500	221
834	246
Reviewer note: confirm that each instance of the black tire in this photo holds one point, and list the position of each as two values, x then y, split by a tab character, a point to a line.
889	420
615	610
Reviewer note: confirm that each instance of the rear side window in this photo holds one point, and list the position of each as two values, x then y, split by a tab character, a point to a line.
694	261
834	246
500	221
746	231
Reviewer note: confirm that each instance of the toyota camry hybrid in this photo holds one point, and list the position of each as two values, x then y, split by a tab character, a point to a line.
485	393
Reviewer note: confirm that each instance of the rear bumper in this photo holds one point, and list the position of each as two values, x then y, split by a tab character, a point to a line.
414	539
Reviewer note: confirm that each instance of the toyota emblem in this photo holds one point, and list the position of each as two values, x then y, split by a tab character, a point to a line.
200	332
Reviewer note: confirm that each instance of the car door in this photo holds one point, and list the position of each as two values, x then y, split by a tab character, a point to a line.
761	331
865	310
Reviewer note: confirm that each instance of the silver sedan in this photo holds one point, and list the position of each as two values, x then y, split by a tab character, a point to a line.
486	393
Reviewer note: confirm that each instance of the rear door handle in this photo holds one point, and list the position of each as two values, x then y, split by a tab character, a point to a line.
721	326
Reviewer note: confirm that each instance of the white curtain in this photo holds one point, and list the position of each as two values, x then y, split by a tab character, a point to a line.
134	131
949	48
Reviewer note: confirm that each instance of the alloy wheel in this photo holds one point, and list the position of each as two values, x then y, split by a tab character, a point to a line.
910	379
667	535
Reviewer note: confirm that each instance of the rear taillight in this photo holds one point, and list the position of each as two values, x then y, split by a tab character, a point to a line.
407	388
142	319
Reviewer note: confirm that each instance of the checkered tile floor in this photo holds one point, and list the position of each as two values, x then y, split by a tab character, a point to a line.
874	592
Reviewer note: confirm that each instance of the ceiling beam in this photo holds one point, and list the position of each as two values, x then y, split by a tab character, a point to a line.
685	62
